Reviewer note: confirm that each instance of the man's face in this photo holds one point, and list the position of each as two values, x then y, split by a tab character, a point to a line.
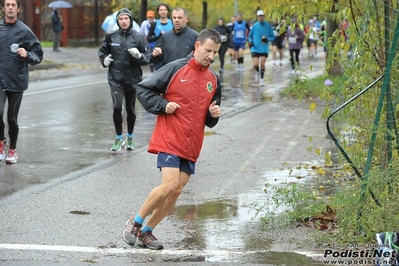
124	22
205	54
179	20
239	18
10	10
163	12
233	19
261	18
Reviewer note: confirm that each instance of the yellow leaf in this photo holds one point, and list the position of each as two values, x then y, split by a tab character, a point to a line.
321	171
312	107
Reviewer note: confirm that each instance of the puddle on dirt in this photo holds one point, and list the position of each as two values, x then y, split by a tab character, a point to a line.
226	225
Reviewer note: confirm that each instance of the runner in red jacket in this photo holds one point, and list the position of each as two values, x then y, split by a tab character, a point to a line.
186	95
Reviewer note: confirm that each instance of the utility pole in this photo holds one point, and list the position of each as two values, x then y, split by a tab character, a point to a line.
96	27
235	7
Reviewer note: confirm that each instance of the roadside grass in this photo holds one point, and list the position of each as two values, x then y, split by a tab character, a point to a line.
46	44
353	217
300	88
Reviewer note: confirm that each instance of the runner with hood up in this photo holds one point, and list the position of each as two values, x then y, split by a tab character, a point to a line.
124	51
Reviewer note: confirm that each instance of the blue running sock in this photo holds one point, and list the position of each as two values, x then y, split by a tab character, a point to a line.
147	228
138	219
129	135
119	136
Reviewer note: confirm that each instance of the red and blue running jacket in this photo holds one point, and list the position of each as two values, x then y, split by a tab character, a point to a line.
192	86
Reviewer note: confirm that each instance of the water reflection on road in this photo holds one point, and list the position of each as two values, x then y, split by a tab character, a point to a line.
226	224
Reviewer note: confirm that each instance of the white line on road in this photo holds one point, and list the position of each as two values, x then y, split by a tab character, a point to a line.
64	88
125	250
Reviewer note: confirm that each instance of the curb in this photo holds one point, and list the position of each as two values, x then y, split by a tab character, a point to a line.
45	66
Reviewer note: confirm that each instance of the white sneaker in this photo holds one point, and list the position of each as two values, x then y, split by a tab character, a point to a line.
2	150
12	156
262	83
293	72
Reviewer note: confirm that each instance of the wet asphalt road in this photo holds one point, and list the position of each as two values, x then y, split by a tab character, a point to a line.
67	199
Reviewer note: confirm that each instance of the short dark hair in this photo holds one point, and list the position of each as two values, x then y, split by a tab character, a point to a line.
181	9
3	2
212	34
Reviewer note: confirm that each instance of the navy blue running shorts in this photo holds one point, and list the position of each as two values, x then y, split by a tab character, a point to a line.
170	160
239	45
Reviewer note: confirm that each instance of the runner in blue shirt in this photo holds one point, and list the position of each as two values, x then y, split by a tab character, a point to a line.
259	38
162	25
240	29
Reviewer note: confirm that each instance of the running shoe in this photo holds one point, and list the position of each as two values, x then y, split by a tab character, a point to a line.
12	156
2	150
147	239
130	144
118	145
262	82
130	233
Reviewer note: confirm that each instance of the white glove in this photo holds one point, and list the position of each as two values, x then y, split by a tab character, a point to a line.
135	52
108	60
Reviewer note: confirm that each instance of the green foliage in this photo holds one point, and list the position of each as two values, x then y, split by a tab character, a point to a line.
356	221
298	201
313	87
225	9
46	44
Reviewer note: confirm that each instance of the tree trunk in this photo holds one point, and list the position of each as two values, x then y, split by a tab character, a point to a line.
204	14
96	24
143	11
332	25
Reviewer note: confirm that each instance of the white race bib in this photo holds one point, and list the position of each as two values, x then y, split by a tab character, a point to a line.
292	40
240	34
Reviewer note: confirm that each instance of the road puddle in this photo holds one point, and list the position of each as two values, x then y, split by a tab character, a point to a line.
224	230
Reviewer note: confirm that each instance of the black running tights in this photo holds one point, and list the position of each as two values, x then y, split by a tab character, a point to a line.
14	103
222	52
294	59
117	95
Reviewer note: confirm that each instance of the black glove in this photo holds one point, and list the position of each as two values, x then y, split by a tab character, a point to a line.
264	39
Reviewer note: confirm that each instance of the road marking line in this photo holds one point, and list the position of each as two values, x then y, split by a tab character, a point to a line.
125	250
64	88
